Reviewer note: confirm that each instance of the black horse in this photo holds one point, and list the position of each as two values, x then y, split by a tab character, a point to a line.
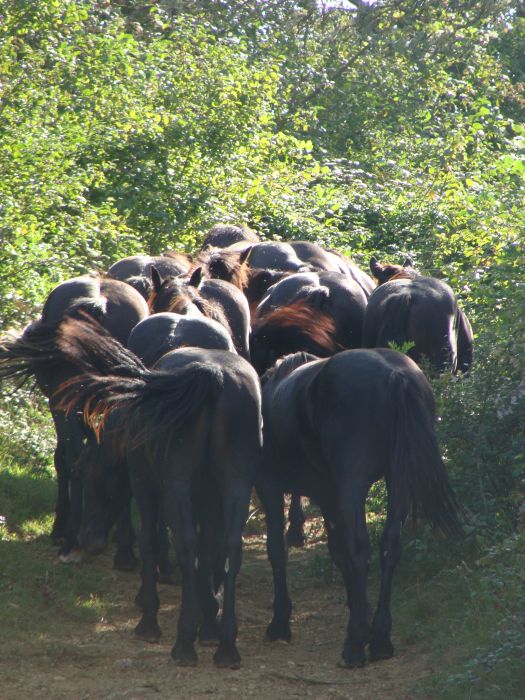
192	432
410	308
320	259
317	312
213	298
135	270
118	308
107	491
224	235
136	265
158	334
332	428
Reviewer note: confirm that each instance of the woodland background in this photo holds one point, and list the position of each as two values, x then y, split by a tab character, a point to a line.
391	129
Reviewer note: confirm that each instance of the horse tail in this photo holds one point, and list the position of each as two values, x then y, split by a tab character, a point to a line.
465	341
35	352
22	356
418	477
95	307
147	405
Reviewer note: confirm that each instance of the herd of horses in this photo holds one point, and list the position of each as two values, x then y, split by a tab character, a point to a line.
186	381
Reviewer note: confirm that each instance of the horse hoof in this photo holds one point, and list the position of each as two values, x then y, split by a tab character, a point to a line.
278	631
209	635
148	632
227	658
56	538
380	652
74	556
353	658
295	539
184	656
167	579
125	561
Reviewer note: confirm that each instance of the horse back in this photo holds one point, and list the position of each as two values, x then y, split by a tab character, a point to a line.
125	307
66	295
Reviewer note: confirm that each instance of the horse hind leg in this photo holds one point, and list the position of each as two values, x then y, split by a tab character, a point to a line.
381	646
236	506
147	598
210	572
272	501
62	502
62	471
178	511
355	549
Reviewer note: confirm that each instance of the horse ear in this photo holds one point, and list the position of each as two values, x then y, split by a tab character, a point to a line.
156	279
408	262
244	257
196	277
375	267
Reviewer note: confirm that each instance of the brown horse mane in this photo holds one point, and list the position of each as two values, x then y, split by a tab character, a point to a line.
402	274
238	272
317	325
185	258
184	294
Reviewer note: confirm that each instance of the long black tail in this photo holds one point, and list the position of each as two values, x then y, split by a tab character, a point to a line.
151	404
25	355
419	480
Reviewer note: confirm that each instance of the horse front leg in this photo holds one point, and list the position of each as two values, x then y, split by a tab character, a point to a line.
296	519
124	558
162	546
236	506
272	501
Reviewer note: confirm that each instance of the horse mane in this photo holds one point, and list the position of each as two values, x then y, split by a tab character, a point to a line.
184	293
184	258
286	365
142	284
312	322
227	265
402	274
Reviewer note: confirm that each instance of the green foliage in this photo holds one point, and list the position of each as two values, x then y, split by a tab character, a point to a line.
392	129
485	615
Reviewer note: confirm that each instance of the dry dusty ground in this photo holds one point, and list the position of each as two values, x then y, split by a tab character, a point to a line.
105	661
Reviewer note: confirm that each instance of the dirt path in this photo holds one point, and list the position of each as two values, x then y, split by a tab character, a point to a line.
106	662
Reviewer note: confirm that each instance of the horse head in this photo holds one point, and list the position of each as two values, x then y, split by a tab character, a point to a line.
384	273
